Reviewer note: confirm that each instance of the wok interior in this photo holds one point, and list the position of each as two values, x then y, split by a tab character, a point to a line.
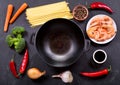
60	42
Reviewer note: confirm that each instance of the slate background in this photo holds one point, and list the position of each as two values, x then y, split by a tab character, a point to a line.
83	64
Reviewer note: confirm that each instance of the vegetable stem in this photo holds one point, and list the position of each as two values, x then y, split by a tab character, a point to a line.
109	68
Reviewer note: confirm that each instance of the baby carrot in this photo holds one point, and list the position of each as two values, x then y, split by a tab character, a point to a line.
8	15
18	12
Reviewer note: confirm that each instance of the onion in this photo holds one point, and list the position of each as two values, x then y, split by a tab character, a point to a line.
35	73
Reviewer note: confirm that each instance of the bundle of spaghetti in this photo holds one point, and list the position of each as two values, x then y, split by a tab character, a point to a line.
41	14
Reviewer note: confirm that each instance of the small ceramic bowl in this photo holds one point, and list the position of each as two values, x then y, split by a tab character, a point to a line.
99	56
80	12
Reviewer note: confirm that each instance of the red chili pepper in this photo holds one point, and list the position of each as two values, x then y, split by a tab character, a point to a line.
96	74
100	5
13	68
24	63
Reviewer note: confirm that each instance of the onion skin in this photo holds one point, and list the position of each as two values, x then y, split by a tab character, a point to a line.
35	73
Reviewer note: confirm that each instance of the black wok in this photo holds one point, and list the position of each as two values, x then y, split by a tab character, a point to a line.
60	42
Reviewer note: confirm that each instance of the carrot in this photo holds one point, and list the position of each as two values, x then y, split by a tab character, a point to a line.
8	15
18	12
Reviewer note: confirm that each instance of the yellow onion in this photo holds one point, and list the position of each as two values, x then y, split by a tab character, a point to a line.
35	73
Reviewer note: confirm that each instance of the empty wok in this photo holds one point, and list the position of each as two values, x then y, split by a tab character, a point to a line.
60	42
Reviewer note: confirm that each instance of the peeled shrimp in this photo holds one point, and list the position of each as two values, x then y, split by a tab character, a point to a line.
103	36
109	28
101	28
95	22
107	20
97	35
96	19
111	34
91	32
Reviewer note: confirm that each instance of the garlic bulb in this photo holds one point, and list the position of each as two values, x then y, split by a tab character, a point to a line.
65	76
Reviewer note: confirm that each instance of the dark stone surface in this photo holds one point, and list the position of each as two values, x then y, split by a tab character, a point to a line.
85	62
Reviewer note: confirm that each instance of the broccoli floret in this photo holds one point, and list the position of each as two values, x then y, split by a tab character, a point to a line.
18	30
19	36
15	39
19	45
10	40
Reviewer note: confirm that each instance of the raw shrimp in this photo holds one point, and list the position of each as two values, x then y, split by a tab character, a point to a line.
96	19
111	34
95	22
103	36
101	28
91	32
97	35
106	21
109	28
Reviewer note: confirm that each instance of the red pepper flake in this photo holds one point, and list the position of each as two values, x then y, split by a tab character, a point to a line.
100	5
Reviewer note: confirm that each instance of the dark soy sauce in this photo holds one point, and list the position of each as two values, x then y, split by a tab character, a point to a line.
99	56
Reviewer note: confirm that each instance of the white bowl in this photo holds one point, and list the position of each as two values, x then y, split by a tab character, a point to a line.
101	42
105	56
